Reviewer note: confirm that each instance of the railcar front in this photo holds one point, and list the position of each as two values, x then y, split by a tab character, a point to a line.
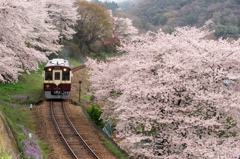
57	79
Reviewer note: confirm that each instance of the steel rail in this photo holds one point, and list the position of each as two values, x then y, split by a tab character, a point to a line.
78	135
75	131
60	133
78	68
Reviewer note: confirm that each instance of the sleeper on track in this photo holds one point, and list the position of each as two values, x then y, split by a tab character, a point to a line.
75	144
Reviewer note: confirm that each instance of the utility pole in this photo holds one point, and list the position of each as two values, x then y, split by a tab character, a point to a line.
80	82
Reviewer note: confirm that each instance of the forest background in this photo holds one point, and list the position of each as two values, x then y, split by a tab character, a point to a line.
219	15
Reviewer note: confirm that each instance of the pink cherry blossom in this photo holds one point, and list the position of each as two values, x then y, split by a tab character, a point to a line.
180	85
27	35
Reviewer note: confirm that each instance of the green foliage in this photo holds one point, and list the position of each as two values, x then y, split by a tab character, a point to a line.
220	30
221	133
17	115
102	56
21	115
113	149
95	47
109	48
75	62
99	56
174	13
226	31
94	36
29	45
115	93
111	5
70	50
228	125
95	112
46	150
162	20
144	23
127	4
4	154
237	1
92	98
117	43
14	102
190	20
83	96
92	32
29	85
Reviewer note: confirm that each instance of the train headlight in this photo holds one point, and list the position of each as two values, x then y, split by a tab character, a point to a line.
49	69
64	69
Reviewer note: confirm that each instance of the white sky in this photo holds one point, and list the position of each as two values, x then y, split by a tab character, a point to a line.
113	0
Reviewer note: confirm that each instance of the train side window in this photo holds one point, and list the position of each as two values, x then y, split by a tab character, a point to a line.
48	75
57	75
66	75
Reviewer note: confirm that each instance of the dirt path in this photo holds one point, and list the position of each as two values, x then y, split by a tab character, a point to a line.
47	133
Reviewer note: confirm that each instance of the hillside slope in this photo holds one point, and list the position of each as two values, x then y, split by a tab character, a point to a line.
224	15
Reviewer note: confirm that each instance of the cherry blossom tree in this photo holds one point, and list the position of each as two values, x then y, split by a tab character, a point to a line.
173	95
27	36
22	28
63	14
124	28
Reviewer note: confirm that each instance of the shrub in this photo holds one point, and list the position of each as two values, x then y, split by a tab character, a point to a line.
95	112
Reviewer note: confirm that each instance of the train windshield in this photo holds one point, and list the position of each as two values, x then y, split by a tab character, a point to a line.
57	75
48	74
66	74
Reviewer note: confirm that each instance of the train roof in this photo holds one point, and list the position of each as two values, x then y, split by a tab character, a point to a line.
58	62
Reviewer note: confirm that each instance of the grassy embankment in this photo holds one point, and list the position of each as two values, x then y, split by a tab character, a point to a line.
14	103
4	154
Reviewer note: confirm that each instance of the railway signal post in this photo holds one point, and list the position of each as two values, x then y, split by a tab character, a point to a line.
80	82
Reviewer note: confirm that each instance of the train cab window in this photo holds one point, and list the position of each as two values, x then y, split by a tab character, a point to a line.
57	75
66	74
48	75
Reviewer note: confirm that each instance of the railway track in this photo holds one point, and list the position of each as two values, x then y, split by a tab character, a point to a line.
78	68
75	144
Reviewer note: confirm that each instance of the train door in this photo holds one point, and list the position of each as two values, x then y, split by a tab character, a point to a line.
57	76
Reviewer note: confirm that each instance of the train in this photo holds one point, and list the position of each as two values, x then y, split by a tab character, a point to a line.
57	76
